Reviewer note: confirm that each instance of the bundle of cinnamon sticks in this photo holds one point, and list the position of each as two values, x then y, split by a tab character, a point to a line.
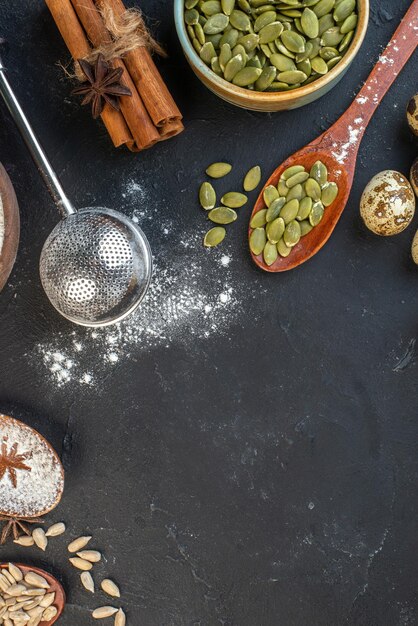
150	114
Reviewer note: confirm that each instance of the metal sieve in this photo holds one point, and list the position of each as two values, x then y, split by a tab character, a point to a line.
96	265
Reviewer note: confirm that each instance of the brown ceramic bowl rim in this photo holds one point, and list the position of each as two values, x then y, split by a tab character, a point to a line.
273	96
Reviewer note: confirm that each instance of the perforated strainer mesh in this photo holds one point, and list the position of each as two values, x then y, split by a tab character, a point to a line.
95	267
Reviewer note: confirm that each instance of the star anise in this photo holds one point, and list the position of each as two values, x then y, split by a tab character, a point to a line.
16	526
11	461
102	85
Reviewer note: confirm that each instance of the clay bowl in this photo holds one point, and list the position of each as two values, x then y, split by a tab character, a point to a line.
9	226
55	586
271	101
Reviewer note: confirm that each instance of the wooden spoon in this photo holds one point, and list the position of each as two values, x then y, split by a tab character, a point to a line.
9	226
54	585
338	146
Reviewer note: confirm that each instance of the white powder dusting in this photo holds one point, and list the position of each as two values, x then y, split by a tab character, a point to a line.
37	488
195	293
344	150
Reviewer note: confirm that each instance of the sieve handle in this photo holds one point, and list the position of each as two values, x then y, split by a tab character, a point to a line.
35	148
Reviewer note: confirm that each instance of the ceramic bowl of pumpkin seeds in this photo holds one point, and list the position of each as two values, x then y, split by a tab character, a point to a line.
271	55
288	210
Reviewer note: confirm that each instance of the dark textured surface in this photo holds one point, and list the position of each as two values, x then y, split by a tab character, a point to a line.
267	474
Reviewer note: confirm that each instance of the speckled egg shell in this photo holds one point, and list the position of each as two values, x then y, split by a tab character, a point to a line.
31	473
414	176
412	114
387	205
415	248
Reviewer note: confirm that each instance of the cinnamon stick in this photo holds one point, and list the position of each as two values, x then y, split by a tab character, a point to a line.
132	107
76	41
149	83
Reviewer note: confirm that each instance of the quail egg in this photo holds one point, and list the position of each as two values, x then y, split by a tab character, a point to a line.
415	248
414	176
412	114
387	205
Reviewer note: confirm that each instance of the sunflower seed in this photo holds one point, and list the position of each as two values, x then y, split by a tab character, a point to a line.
40	538
87	581
78	544
55	530
15	572
24	541
214	237
120	618
110	588
103	612
81	563
93	556
207	198
49	613
258	240
252	178
222	215
35	580
234	199
47	600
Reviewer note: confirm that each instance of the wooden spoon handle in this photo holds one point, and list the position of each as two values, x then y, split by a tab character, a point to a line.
349	129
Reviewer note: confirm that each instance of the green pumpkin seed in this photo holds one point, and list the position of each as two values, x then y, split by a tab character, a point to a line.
332	37
270	193
245	6
215	66
259	219
196	45
234	199
329	193
294	77
305	228
325	22
207	196
216	24
290	211
349	24
333	62
247	76
264	19
282	62
191	17
283	249
266	78
258	240
218	170
292	234
275	230
305	67
319	172
327	53
240	20
233	66
295	193
270	253
291	171
270	32
222	215
282	188
225	55
207	52
228	6
190	4
319	66
305	206
214	39
343	10
346	41
214	237
230	37
252	178
274	209
211	7
323	7
283	50
316	214
297	179
309	23
313	190
293	41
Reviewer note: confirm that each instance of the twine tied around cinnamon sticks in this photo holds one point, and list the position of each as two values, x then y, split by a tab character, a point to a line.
128	31
93	27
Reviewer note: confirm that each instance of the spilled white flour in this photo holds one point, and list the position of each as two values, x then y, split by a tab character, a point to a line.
194	294
31	477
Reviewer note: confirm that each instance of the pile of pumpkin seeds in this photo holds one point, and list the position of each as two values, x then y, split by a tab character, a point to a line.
25	598
292	210
271	45
225	214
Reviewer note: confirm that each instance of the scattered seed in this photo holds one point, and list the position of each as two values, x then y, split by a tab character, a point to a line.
40	538
218	170
207	196
214	237
234	199
222	215
120	618
78	544
110	588
25	541
90	555
104	611
252	178
81	563
87	581
55	530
